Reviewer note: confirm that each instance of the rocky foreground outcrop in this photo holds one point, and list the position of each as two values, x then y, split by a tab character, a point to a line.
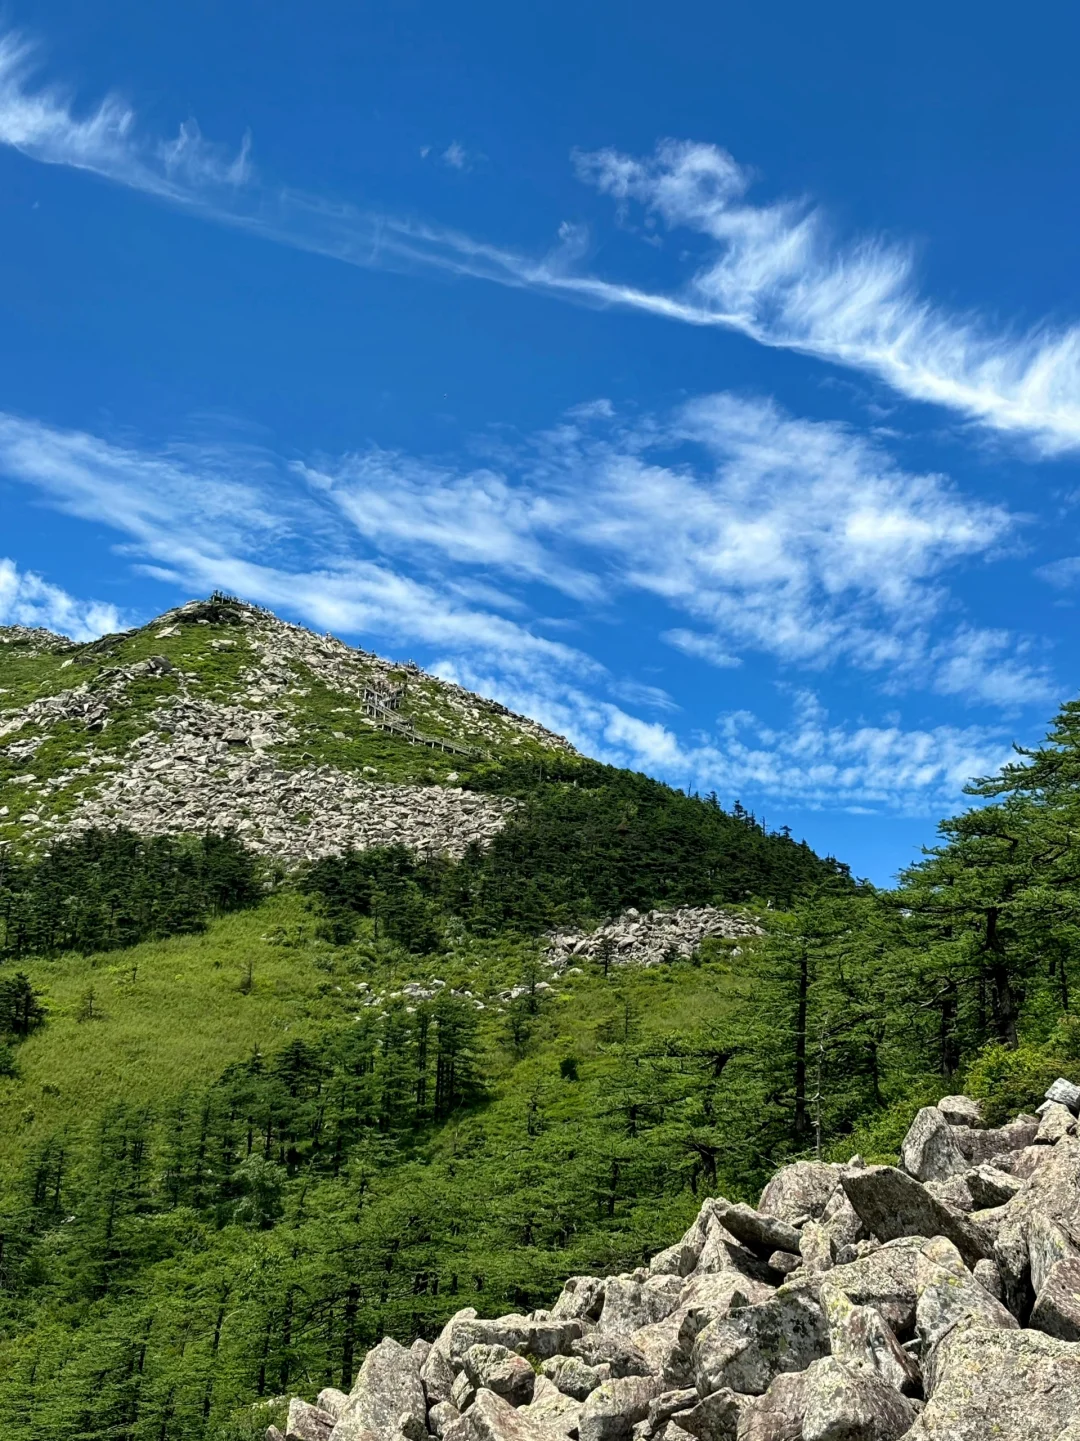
937	1301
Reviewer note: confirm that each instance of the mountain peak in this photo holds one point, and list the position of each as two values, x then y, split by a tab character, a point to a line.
220	715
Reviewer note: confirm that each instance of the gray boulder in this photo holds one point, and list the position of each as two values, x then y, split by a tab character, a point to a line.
440	1417
885	1280
778	1415
463	1392
1066	1093
552	1408
1057	1306
979	1146
618	1352
716	1418
954	1192
308	1423
490	1418
582	1298
960	1111
989	1186
892	1204
677	1260
437	1376
802	1189
745	1350
573	1377
664	1406
845	1403
859	1337
332	1400
928	1151
755	1229
721	1251
631	1304
949	1296
613	1409
1009	1385
495	1368
1057	1122
841	1220
387	1397
817	1249
989	1278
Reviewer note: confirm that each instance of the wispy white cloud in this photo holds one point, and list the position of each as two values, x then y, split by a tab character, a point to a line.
797	539
812	762
206	518
26	598
1062	574
794	539
776	272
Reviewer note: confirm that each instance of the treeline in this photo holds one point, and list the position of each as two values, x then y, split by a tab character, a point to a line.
576	850
107	889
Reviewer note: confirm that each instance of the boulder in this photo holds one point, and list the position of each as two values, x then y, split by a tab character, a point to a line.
1048	1243
664	1406
387	1396
778	1415
495	1368
437	1376
859	1337
1057	1122
745	1350
722	1252
618	1352
613	1409
308	1423
784	1262
716	1418
463	1392
960	1111
954	1192
842	1221
979	1146
845	1403
573	1377
928	1151
801	1189
989	1278
677	1260
892	1204
440	1417
272	1433
885	1280
1066	1093
552	1408
490	1418
949	1295
629	1305
332	1400
420	1349
1057	1305
1009	1385
760	1232
582	1298
989	1186
816	1247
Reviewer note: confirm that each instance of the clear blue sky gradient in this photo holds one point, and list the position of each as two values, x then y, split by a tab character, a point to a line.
387	374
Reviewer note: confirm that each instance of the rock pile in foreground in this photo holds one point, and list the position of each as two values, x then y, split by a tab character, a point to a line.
937	1301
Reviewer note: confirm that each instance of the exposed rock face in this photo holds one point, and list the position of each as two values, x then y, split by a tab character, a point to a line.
646	939
919	1336
209	760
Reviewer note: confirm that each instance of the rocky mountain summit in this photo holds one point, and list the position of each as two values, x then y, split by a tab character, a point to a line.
221	716
935	1301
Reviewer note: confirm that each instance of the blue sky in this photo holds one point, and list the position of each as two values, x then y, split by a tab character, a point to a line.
703	380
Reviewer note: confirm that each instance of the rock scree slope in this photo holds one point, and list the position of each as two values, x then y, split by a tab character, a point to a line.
220	716
935	1301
